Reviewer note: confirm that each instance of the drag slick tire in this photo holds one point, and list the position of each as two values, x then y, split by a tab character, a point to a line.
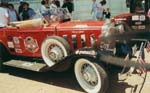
91	76
54	49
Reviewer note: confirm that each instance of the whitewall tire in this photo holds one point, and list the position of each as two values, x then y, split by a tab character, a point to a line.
91	76
54	49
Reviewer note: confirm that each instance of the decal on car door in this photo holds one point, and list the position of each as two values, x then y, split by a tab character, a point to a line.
16	40
18	50
31	44
10	44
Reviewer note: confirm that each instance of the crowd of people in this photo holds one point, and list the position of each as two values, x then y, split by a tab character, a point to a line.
10	14
25	12
49	11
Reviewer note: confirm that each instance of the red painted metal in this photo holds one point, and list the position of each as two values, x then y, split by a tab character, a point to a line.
16	36
142	20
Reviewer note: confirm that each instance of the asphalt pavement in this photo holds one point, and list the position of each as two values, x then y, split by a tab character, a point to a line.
14	80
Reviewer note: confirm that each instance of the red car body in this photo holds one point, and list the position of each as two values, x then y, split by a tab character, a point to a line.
19	40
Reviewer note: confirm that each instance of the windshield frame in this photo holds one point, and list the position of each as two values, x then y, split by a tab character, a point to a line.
59	14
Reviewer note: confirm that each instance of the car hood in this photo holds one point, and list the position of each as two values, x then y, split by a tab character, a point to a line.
78	25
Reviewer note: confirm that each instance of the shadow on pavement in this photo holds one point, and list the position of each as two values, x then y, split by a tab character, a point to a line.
67	79
61	79
114	85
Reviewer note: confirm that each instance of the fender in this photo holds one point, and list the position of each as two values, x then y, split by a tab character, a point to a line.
4	53
71	59
82	53
3	45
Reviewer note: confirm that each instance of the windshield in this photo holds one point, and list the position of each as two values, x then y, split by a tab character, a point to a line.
51	15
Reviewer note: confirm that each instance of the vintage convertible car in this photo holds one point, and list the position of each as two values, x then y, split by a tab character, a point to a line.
41	45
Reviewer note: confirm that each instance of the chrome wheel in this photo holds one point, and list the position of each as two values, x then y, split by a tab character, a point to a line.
89	75
54	49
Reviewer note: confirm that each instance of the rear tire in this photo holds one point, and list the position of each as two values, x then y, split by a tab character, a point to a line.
91	76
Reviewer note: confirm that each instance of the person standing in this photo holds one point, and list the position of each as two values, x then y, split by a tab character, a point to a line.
4	17
20	9
107	13
12	13
57	3
53	8
43	9
97	10
27	12
69	5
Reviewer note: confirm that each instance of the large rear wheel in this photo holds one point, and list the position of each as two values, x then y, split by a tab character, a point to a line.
91	76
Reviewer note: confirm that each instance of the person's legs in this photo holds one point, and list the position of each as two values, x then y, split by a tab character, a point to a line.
94	16
99	16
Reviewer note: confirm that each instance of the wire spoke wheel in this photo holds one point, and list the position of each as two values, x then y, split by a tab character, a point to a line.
54	49
91	76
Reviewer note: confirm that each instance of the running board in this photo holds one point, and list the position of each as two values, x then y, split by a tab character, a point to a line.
39	67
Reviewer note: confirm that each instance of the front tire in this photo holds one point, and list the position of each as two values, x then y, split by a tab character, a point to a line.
54	49
91	76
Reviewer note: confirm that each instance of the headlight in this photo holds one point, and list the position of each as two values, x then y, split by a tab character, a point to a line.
135	18
138	18
142	18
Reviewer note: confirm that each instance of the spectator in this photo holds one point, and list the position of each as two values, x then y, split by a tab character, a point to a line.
57	3
43	9
4	17
27	12
12	13
69	5
97	10
107	13
20	7
53	8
